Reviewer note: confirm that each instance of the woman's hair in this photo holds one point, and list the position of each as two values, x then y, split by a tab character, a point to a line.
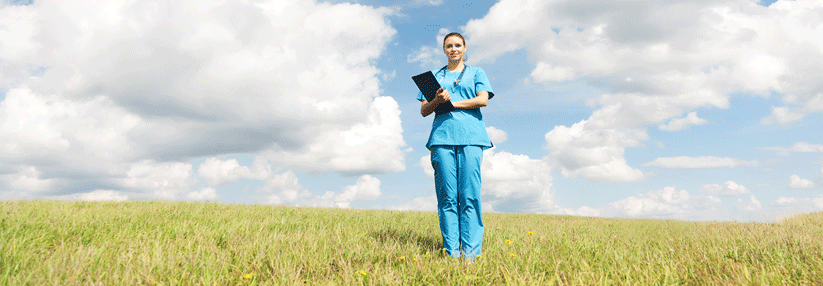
456	34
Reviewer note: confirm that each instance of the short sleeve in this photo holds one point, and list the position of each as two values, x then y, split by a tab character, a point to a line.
481	82
420	96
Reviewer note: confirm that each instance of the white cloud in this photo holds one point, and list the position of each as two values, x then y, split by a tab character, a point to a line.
423	204
426	164
510	183
783	115
516	183
204	194
685	48
727	189
283	189
798	147
429	2
496	135
595	153
427	56
752	205
703	162
97	195
795	205
372	146
431	56
806	147
581	211
366	188
683	123
217	172
28	180
691	58
665	203
159	180
96	86
795	182
91	133
546	72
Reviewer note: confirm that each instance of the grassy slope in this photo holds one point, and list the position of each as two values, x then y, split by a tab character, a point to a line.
47	242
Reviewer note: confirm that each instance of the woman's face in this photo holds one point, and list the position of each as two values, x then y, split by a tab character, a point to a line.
454	48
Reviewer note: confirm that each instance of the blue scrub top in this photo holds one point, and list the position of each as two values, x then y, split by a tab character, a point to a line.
460	126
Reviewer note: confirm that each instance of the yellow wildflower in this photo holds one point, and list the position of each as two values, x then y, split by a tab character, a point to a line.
512	255
531	233
402	258
414	258
479	256
247	276
509	241
363	273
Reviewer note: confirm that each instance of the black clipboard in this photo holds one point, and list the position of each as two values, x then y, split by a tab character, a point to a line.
428	85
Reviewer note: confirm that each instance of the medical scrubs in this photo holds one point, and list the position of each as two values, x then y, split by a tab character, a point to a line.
456	142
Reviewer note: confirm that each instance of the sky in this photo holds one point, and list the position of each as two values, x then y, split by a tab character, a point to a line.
685	109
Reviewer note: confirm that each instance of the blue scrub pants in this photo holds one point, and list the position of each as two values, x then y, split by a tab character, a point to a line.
457	181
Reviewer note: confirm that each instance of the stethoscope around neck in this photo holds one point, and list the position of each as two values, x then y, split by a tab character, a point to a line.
457	81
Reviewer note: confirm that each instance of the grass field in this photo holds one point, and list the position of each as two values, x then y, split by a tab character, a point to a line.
172	243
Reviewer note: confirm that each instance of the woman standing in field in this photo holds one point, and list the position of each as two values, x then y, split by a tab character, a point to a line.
456	142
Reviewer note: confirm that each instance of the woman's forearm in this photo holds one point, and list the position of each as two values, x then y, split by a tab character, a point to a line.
428	107
481	100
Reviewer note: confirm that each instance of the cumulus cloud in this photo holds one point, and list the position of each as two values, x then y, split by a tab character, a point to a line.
783	115
367	188
97	87
516	183
690	57
28	180
704	162
426	56
511	182
423	204
545	72
751	205
795	182
497	135
665	203
204	194
683	46
683	123
595	153
283	189
371	146
727	189
87	135
798	147
426	164
159	180
217	172
429	2
431	56
97	195
788	206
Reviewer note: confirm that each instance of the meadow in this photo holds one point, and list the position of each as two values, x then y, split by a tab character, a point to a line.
183	243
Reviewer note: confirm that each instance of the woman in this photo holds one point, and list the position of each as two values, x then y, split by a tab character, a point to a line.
456	142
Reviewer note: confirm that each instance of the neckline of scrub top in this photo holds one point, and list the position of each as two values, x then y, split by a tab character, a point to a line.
457	81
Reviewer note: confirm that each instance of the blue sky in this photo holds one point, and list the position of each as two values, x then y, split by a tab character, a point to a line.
678	109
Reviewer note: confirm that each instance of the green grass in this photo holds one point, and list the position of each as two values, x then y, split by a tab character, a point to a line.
171	243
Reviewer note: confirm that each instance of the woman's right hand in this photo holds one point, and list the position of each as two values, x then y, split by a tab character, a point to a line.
442	95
